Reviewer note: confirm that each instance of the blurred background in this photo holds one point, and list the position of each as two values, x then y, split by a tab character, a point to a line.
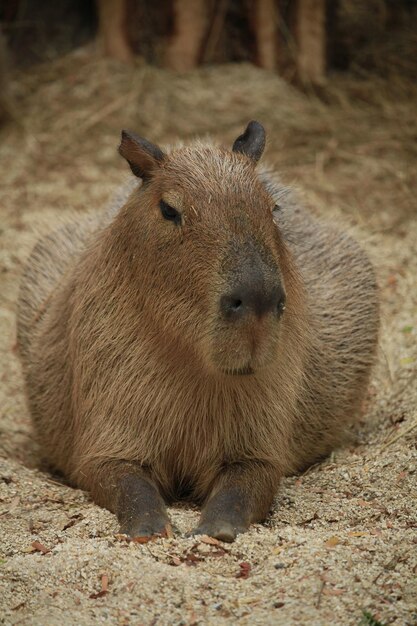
333	81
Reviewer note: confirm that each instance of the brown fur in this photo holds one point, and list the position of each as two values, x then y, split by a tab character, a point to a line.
124	351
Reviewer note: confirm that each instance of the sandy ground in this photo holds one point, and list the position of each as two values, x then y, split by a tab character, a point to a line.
341	544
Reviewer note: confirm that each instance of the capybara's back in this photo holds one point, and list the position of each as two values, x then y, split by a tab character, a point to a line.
47	264
201	340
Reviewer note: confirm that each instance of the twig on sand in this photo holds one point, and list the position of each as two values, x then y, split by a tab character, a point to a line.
403	432
320	593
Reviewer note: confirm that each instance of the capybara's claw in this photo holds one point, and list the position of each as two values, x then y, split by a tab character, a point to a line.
220	529
146	528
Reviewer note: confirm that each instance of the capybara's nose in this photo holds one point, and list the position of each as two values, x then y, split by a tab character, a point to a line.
252	299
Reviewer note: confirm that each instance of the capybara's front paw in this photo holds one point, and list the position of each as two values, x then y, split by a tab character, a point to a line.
141	509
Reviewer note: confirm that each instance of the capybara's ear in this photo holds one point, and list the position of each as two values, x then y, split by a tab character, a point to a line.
142	155
252	142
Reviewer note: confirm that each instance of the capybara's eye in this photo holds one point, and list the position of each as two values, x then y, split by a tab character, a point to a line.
169	213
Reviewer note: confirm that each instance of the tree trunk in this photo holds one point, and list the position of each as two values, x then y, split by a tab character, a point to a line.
310	36
112	29
190	23
266	34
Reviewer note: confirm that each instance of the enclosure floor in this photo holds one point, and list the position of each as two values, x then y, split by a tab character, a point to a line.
342	538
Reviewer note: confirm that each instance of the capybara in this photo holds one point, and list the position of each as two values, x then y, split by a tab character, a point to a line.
199	341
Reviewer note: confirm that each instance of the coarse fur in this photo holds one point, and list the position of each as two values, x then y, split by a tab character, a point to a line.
127	359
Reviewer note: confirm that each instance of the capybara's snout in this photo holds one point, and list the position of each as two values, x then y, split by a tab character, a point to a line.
251	298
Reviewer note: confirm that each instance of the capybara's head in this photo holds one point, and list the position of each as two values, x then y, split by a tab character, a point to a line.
209	261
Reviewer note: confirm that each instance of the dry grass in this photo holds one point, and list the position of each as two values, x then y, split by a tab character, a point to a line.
342	537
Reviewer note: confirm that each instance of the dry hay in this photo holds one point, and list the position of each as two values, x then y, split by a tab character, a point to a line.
341	539
76	107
